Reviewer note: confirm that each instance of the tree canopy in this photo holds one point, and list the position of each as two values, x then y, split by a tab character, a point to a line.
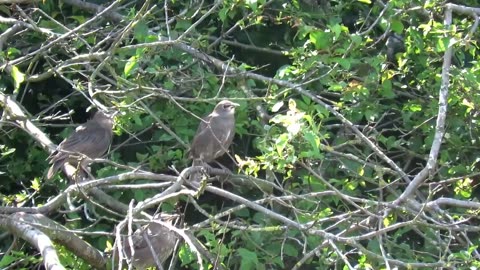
355	141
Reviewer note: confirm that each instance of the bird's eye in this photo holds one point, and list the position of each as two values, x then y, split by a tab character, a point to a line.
226	106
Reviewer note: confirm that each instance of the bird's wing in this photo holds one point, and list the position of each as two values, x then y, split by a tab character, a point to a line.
203	126
88	140
73	142
202	132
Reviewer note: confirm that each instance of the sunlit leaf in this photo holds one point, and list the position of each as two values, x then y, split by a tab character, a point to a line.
414	107
18	77
277	106
292	105
130	66
468	104
6	150
35	184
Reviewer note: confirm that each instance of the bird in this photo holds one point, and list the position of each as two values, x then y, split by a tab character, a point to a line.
214	135
91	139
395	44
160	238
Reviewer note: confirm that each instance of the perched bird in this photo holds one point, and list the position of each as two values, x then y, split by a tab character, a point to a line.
91	139
395	44
161	239
214	134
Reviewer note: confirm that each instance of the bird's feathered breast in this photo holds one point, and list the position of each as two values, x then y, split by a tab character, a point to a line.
214	135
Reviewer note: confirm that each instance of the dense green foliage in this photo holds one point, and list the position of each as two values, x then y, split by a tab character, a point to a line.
330	132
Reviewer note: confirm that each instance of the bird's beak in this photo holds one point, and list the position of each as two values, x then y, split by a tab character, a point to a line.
235	104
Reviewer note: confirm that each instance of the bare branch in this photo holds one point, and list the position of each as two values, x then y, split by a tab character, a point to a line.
35	237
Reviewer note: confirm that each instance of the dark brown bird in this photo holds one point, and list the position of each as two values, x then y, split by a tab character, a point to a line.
214	136
91	139
215	133
160	238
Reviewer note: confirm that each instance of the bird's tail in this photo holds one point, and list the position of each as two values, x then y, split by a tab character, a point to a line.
54	168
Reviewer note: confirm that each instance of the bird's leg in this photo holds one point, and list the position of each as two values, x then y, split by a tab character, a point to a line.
206	169
74	173
88	171
195	177
227	172
85	167
203	175
225	169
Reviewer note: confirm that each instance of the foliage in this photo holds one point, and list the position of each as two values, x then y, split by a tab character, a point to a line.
309	75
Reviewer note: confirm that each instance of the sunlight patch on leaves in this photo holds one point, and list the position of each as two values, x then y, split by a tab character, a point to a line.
18	77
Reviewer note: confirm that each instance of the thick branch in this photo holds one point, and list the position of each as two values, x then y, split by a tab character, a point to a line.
17	226
16	113
440	125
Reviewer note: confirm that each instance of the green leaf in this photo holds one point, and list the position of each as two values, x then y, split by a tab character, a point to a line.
303	31
141	157
13	52
313	139
337	29
356	39
36	184
470	105
79	19
169	85
290	250
132	63
371	115
281	142
7	260
345	63
222	13
18	77
244	212
249	259
387	90
139	195
140	31
397	26
185	24
387	221
336	87
442	44
252	4
320	39
413	107
186	255
285	70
